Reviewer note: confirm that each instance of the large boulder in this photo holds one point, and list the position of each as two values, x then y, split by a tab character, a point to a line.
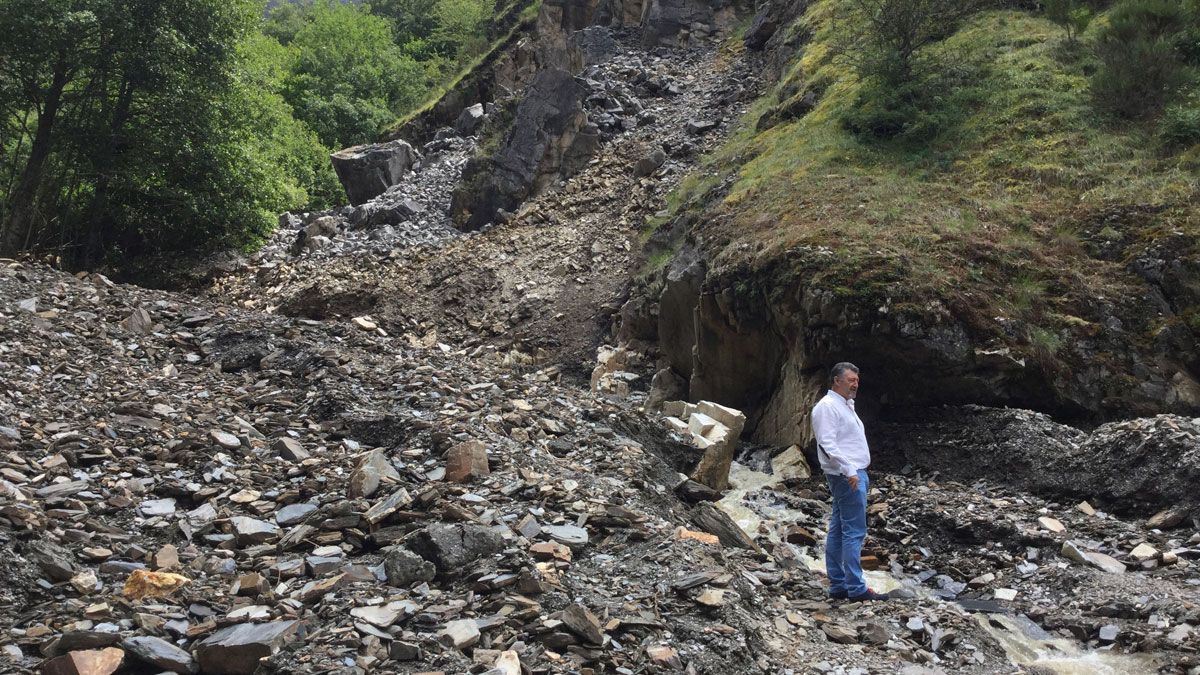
451	547
550	139
367	171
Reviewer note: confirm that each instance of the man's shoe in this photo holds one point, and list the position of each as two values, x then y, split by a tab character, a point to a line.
838	595
869	596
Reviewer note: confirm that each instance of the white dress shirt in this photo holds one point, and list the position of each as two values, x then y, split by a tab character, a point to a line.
841	439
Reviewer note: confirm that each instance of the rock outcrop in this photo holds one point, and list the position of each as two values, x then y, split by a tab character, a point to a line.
550	139
763	338
367	171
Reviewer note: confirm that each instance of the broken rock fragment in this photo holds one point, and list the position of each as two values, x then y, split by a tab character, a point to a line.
160	654
1098	560
55	561
237	649
583	623
86	662
251	531
568	535
143	584
403	567
290	449
460	634
450	547
466	461
372	471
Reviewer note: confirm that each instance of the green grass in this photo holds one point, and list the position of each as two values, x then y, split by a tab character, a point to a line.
988	214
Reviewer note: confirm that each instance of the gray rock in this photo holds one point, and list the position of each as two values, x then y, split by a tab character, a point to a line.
763	26
55	561
367	171
225	439
252	530
551	139
469	120
237	649
160	654
371	471
568	535
290	449
157	507
595	43
403	567
293	513
317	243
650	163
451	547
583	623
1101	561
75	640
459	634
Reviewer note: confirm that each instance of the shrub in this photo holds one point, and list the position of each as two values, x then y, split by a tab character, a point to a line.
1180	127
1141	64
886	43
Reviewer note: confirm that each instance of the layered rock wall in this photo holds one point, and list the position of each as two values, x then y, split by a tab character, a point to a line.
763	340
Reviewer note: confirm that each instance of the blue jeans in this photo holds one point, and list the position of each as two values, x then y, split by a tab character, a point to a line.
847	530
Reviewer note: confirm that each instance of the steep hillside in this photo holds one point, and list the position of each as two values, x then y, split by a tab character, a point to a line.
1014	246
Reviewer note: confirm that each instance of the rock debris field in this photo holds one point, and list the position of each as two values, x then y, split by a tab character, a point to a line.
417	484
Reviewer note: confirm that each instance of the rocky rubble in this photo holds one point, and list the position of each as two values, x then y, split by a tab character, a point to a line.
561	260
1133	467
194	487
409	214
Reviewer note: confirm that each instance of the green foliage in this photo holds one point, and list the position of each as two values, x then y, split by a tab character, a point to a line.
1141	60
1072	15
349	77
282	140
286	19
888	44
1044	343
461	23
1181	126
413	24
131	126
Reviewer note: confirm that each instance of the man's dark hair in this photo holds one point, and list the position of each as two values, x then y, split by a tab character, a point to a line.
840	369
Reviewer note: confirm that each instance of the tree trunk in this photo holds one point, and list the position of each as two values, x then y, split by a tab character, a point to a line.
104	163
22	207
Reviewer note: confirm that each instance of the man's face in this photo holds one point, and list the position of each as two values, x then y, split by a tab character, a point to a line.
846	384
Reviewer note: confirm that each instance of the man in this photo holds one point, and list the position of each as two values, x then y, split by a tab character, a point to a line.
844	455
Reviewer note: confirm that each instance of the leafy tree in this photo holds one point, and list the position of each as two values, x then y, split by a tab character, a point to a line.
282	139
411	19
286	19
884	39
46	47
350	78
1072	15
137	127
461	25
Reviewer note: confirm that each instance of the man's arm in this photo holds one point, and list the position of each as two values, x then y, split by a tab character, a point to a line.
824	423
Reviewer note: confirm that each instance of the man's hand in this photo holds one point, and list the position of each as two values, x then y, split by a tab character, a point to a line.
853	480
